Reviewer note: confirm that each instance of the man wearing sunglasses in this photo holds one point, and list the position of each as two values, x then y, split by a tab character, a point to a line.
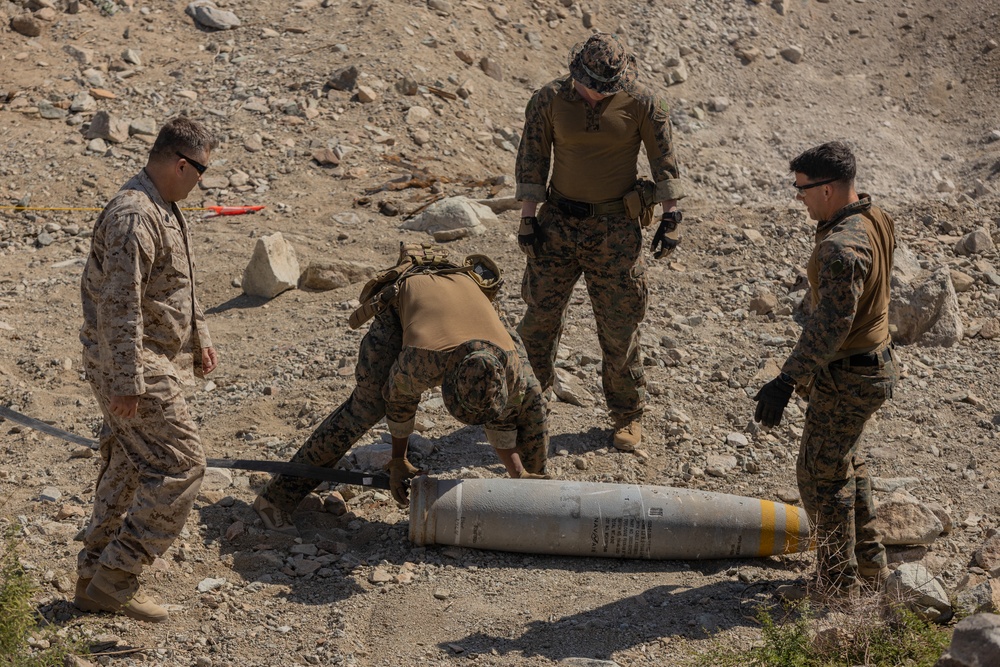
144	337
844	360
589	126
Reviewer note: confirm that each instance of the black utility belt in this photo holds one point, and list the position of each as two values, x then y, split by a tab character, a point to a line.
865	359
582	209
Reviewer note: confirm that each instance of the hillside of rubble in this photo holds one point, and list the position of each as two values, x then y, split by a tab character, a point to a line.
345	118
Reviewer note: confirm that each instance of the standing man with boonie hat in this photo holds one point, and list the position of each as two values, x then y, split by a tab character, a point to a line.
589	126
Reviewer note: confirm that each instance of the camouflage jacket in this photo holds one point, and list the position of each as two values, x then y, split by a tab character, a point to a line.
849	273
595	148
140	314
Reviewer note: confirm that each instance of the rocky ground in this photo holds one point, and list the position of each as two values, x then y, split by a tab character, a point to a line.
435	105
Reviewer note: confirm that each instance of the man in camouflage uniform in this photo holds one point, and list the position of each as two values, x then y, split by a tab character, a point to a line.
845	357
144	336
441	330
590	125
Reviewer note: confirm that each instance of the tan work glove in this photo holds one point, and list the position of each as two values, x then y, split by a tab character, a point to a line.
530	475
400	472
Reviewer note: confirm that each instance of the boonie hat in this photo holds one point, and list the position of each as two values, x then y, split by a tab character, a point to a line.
474	387
603	64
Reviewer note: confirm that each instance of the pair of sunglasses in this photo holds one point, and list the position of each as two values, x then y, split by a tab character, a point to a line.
198	166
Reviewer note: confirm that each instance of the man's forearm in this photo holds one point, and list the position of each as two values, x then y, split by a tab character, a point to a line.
399	446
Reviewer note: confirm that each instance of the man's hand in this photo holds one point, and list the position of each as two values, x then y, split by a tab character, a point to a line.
529	236
772	399
667	236
124	406
400	472
524	474
209	360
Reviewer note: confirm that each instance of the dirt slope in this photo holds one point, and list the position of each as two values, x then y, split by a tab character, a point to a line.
911	84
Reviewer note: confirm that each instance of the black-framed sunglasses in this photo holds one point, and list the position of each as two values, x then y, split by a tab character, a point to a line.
198	166
800	188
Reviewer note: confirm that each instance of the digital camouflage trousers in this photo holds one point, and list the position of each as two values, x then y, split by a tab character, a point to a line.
607	251
152	467
832	472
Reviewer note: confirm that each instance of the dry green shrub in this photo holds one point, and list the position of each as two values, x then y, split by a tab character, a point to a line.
19	618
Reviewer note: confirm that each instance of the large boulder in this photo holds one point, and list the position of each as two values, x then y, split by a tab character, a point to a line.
108	127
925	310
207	15
335	274
902	519
273	268
975	643
451	218
983	597
914	586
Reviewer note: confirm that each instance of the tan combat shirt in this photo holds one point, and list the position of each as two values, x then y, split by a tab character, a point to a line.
440	312
849	277
140	315
595	149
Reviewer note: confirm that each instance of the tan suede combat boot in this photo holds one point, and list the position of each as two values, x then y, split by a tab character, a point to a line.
81	600
874	576
273	517
118	591
628	433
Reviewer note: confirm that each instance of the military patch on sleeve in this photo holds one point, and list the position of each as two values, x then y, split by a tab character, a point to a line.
836	268
661	111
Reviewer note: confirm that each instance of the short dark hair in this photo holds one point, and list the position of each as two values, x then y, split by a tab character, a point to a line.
833	160
182	135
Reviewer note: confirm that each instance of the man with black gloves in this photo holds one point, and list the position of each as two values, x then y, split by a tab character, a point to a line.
589	126
844	359
437	329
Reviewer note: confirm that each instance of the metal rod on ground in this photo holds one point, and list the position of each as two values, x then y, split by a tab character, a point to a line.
273	467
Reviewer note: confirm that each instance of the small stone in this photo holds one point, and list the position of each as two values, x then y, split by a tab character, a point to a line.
366	95
491	68
441	593
235	529
762	304
254	143
416	115
50	494
335	504
440	6
718	104
788	495
345	78
133	57
27	25
210	584
792	54
379	576
108	127
326	157
207	15
83	102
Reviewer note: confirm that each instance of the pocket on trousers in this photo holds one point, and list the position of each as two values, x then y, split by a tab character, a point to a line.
872	382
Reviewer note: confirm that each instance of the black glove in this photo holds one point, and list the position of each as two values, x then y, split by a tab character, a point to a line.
772	399
530	237
667	237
